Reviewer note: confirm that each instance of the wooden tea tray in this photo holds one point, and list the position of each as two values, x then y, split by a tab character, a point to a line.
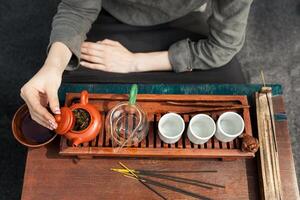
157	105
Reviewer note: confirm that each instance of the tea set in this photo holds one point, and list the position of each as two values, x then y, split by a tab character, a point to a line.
127	125
201	127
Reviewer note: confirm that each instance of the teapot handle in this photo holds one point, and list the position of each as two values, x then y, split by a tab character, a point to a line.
84	98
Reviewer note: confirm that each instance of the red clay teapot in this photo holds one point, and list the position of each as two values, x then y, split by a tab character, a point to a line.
79	123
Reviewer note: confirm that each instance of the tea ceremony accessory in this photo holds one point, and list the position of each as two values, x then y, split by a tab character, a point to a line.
170	128
28	132
201	128
270	183
154	107
79	123
229	126
127	122
141	176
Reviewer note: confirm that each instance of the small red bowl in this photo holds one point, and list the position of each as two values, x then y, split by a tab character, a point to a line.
28	132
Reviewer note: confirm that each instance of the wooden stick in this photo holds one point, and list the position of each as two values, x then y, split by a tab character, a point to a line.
211	109
204	104
269	163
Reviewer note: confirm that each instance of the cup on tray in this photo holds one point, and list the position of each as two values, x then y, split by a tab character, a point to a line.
229	126
170	128
201	128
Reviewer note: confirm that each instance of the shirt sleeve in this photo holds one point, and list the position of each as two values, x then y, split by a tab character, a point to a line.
227	26
71	23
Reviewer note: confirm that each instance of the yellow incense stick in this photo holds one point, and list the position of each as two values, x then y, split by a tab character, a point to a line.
263	77
132	177
129	170
121	170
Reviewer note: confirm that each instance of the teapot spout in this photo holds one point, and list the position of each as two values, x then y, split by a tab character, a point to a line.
76	142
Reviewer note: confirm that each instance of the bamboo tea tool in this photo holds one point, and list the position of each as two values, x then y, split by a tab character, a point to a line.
270	181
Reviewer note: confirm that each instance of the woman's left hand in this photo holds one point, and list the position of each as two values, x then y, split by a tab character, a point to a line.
108	55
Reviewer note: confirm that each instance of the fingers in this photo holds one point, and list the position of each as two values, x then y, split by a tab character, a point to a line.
91	52
92	45
37	111
41	114
35	117
110	42
53	101
93	65
41	121
93	59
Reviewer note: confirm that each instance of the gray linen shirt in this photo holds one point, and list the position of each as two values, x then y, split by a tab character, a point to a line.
227	26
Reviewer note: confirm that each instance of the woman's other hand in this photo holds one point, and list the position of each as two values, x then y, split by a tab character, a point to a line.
111	56
108	55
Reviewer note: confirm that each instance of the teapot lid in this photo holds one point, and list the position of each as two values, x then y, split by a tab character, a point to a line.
65	120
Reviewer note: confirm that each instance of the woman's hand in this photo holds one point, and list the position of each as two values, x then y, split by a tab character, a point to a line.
40	90
108	55
111	56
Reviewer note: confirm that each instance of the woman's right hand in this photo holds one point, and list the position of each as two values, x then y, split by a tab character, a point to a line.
42	88
40	91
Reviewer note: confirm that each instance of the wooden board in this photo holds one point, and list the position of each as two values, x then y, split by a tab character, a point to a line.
155	106
49	176
268	151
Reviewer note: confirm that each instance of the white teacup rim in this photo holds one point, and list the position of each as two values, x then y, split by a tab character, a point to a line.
181	120
208	117
221	129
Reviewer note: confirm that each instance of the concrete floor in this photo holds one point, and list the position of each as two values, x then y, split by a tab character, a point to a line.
272	44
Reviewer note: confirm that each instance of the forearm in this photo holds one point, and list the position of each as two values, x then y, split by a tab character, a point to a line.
71	23
154	61
227	26
58	57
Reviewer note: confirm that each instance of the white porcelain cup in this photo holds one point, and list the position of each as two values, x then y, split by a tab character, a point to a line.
229	126
170	128
201	128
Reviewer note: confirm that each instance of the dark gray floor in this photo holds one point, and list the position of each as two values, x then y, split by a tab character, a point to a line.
273	43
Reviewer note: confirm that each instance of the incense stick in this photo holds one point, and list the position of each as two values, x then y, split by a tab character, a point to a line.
141	181
175	189
169	187
129	170
168	177
263	77
147	186
184	180
175	179
166	171
133	174
178	171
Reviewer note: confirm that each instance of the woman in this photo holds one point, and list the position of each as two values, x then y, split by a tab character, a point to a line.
74	19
